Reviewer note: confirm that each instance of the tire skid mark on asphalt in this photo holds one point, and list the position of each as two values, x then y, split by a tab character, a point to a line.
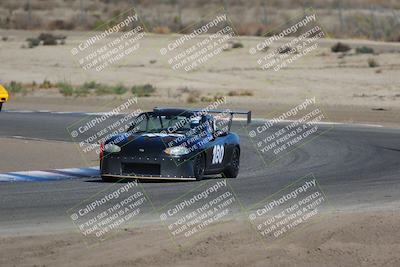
49	175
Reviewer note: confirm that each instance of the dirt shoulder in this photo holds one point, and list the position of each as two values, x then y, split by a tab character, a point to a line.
369	238
42	155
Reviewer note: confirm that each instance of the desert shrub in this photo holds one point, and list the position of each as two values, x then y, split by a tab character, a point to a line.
99	89
372	63
260	31
46	84
15	87
206	99
218	96
193	96
90	85
233	93
192	99
50	39
183	90
119	89
240	93
33	42
81	91
46	39
143	90
247	93
210	98
99	25
364	50
237	45
65	88
43	36
103	90
284	49
340	47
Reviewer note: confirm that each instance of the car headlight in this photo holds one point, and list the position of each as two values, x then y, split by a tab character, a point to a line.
110	148
177	151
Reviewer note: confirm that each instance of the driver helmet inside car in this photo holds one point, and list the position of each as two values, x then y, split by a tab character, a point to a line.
203	126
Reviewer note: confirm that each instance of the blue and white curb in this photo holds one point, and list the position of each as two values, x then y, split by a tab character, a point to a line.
50	175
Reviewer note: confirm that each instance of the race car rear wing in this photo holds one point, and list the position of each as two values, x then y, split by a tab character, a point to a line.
229	111
232	112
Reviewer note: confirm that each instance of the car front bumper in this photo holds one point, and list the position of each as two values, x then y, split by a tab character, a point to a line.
143	167
3	98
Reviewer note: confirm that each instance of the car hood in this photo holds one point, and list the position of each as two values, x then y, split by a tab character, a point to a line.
146	144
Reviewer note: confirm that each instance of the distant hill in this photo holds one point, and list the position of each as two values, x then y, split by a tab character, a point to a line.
369	19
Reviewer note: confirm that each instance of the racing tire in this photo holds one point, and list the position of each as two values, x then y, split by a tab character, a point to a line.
199	166
233	170
1	105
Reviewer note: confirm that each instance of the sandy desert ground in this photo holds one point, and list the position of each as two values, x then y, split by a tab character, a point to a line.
345	87
360	238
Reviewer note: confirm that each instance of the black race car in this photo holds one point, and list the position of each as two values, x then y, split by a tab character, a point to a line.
172	143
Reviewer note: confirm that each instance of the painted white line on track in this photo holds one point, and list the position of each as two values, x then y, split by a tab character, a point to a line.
50	175
9	178
33	139
19	111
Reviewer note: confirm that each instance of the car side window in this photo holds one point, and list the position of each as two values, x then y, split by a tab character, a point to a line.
154	123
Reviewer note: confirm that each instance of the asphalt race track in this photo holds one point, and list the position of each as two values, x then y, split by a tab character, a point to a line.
358	167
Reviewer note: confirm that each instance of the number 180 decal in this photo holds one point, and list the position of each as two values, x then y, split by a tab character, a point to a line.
218	154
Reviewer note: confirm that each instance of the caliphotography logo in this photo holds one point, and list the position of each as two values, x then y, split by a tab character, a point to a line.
276	138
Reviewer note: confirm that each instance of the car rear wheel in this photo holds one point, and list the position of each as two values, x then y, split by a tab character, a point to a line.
1	105
233	170
199	167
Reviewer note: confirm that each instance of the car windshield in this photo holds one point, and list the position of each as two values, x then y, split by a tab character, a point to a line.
157	123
